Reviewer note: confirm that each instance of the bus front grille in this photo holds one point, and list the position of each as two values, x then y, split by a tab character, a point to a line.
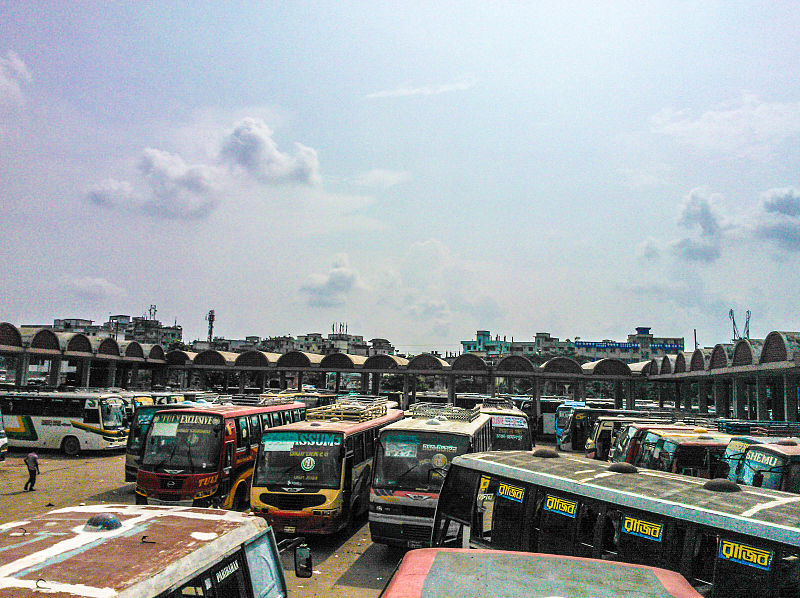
292	502
416	533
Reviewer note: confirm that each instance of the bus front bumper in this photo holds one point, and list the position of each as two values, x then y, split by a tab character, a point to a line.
302	522
405	531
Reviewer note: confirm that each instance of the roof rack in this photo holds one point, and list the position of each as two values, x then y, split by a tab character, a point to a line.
269	401
346	409
443	410
498	402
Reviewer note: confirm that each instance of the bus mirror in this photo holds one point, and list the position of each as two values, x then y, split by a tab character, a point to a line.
758	479
303	566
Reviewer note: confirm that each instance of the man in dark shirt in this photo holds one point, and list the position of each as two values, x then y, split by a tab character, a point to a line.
32	462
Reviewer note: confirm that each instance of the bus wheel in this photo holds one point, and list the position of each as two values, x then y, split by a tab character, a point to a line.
70	446
140	500
241	499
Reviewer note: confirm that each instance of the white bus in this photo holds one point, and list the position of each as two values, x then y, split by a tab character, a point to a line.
412	458
67	421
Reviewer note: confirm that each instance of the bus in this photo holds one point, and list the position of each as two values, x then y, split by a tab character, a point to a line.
633	439
204	456
574	423
412	459
482	572
66	421
733	460
698	455
605	432
3	438
312	477
774	465
143	552
510	427
728	541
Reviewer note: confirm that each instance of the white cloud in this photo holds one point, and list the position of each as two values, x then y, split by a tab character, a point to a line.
177	190
94	289
333	288
13	75
381	179
111	193
430	90
649	250
745	128
698	211
778	221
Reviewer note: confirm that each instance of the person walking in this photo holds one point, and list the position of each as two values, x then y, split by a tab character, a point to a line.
32	462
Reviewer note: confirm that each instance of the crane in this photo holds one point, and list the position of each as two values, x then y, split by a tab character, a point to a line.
745	332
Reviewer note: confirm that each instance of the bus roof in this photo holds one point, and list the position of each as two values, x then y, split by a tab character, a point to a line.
775	514
434	572
497	410
447	426
230	410
345	427
701	439
153	550
785	450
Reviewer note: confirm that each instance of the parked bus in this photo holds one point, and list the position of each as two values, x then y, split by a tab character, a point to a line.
774	465
733	458
728	541
574	423
631	441
143	552
67	421
3	437
605	432
411	462
205	455
480	572
697	455
313	476
510	427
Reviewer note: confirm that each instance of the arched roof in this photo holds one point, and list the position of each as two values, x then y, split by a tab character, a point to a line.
683	358
131	349
256	359
215	358
299	359
514	363
640	368
561	365
178	357
75	343
780	346
747	351
700	360
106	346
342	361
41	340
154	352
384	362
667	364
426	361
721	356
469	362
9	335
655	367
606	367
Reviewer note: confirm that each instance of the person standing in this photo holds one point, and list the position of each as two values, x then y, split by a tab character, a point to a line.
32	462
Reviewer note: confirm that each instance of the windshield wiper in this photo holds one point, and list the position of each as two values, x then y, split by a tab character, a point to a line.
191	461
167	458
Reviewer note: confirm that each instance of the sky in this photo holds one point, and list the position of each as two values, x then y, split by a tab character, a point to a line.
419	170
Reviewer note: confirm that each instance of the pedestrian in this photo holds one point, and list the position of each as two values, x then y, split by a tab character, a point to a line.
32	462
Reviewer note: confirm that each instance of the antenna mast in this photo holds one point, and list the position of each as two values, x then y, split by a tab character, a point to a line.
210	319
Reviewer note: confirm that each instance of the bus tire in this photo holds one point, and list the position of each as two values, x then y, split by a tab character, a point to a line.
70	446
241	500
141	500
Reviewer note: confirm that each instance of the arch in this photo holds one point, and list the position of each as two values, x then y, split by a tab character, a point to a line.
156	353
655	366
75	342
640	368
178	357
384	362
721	356
107	346
747	351
299	359
780	346
342	361
215	358
42	339
561	365
426	361
131	349
256	359
681	360
10	335
469	362
667	364
700	360
606	367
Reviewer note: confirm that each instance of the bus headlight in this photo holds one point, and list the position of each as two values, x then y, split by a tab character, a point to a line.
328	512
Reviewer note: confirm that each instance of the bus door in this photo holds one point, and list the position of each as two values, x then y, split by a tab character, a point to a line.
499	514
228	459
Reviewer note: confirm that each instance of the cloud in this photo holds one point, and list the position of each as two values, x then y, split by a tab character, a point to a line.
381	179
649	250
177	190
111	193
778	222
332	289
698	211
250	146
422	91
654	176
13	75
745	128
94	289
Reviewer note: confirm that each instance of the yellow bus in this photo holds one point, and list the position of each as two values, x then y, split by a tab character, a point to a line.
313	476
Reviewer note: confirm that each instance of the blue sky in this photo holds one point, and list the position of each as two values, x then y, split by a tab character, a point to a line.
419	170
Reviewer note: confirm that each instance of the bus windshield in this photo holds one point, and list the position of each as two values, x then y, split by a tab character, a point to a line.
510	433
112	414
768	465
305	459
418	461
139	426
183	441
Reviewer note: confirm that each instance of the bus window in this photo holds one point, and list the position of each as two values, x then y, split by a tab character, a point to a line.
704	555
499	514
557	518
255	429
242	433
587	521
91	416
640	538
791	478
358	448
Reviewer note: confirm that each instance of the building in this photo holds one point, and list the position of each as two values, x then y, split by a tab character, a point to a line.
142	329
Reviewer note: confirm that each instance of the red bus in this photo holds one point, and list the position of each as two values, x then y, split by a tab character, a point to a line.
205	455
465	572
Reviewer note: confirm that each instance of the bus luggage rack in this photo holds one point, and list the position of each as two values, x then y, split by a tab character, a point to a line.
443	410
269	401
346	410
498	402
